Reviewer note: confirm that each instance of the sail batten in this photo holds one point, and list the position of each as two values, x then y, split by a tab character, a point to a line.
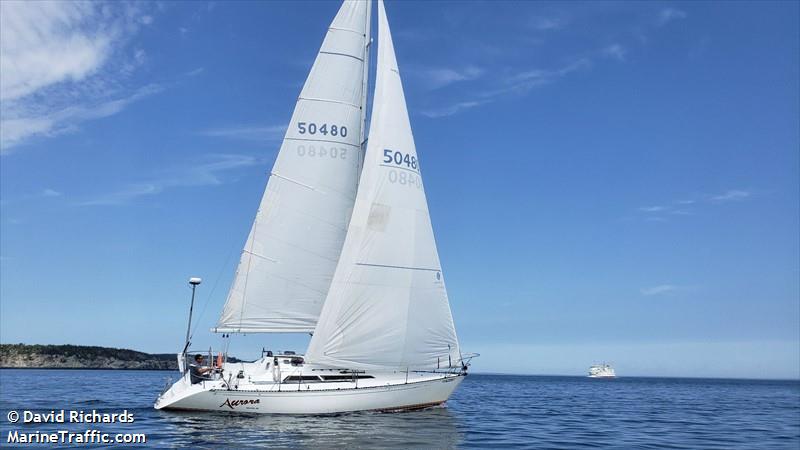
295	240
327	100
387	306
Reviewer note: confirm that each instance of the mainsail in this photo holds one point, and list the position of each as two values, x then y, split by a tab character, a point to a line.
294	243
387	306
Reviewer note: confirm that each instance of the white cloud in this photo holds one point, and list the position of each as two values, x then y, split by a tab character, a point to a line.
51	193
532	78
248	132
521	83
195	72
450	109
667	15
139	56
542	23
435	78
23	123
209	172
518	84
48	42
615	51
61	61
659	290
652	209
731	195
686	207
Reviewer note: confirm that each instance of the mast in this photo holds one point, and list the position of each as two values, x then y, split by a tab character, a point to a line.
365	88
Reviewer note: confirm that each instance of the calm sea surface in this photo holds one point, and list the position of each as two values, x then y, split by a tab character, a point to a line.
486	411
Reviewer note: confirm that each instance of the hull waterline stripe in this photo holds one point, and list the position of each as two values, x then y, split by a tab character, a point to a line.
409	407
391	409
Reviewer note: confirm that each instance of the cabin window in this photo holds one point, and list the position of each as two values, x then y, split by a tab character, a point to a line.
301	379
344	377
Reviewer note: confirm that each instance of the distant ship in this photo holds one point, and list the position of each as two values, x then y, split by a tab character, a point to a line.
602	371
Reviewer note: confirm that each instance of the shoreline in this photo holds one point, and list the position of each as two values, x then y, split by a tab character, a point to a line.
85	368
631	377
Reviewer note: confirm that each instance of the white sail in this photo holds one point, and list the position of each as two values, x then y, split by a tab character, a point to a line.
294	244
387	306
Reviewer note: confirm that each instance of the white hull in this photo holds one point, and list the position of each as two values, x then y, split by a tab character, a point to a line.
602	371
391	397
256	392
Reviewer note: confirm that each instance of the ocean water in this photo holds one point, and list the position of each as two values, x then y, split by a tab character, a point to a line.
486	411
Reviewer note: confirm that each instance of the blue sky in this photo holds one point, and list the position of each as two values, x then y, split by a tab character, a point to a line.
607	181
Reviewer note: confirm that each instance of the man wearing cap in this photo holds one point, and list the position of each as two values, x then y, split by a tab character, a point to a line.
197	370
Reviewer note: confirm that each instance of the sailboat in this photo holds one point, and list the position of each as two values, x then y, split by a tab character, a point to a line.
342	248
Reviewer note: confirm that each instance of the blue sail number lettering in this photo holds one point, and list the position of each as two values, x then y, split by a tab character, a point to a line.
321	128
399	159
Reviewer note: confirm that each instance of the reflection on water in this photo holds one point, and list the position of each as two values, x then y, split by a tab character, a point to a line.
486	411
429	428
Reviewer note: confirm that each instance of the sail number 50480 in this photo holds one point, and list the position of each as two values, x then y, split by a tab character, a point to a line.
399	158
313	128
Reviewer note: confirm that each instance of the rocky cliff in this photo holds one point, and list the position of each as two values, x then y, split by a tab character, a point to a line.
81	357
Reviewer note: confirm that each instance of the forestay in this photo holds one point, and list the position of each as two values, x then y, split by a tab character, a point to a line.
294	243
387	306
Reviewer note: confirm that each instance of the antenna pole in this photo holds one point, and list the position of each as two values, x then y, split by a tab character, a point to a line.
193	282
